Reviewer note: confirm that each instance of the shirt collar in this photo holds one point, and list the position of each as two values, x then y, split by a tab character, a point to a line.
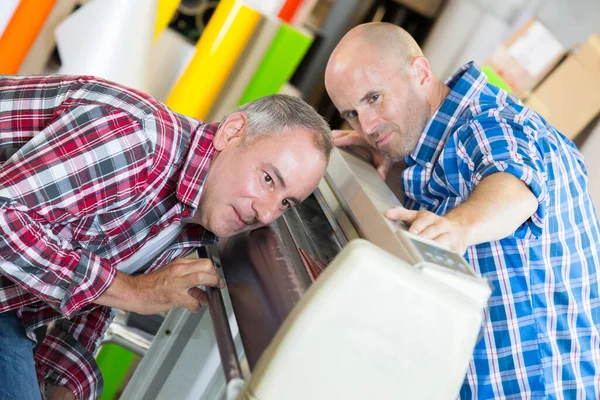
465	85
195	168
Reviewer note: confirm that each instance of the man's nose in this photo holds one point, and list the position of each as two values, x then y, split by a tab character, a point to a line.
267	210
368	122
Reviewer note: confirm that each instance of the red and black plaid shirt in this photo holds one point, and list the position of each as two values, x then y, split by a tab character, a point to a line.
90	171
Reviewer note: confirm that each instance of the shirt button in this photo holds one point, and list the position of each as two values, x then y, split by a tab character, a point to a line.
154	229
428	164
186	213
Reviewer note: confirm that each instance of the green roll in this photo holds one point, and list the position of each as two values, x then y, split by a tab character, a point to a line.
494	78
281	60
114	363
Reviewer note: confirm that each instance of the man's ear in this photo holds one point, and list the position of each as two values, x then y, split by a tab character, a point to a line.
420	66
231	131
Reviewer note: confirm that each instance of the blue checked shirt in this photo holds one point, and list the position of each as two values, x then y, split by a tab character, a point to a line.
542	335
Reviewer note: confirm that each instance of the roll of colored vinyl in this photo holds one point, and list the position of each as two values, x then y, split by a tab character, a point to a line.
45	43
169	57
288	10
494	78
164	12
217	51
282	58
21	31
244	69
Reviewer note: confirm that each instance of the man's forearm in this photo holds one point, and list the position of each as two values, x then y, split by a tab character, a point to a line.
495	209
121	294
173	285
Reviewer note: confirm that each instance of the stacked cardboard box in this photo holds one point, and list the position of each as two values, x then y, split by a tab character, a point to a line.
569	98
526	57
563	86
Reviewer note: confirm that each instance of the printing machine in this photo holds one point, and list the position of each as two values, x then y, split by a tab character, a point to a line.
392	316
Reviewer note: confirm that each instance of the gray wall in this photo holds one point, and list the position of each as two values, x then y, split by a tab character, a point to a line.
571	21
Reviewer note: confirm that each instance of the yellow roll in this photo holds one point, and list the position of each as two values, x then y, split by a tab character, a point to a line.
218	49
164	12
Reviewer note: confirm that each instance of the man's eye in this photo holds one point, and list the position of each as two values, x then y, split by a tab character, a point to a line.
373	98
286	203
268	178
350	115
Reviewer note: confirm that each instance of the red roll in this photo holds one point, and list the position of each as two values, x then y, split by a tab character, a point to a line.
288	10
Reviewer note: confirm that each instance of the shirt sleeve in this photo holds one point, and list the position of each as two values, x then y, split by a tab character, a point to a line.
86	161
491	144
66	355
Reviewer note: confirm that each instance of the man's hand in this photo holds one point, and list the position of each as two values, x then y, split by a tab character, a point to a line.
355	141
54	392
496	208
174	285
426	224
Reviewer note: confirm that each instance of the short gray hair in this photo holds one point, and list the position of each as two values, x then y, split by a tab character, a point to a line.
279	113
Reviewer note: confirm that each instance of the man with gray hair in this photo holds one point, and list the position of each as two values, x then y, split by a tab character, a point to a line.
103	190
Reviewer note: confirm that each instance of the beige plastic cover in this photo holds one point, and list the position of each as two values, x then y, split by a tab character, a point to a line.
371	327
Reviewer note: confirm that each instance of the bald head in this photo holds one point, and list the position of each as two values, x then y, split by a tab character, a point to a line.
381	41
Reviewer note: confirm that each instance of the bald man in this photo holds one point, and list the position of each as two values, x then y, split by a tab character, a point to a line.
492	179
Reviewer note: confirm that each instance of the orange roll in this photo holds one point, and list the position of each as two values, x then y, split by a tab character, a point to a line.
21	31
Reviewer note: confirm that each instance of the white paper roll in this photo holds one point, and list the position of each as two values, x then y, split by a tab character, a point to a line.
110	39
268	8
244	69
7	9
170	56
303	12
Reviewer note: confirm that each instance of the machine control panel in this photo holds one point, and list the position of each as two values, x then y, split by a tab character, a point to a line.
365	197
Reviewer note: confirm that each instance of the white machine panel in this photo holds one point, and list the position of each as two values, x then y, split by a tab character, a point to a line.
371	327
365	197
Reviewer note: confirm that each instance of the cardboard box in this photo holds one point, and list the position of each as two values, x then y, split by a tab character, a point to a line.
526	57
589	52
569	98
